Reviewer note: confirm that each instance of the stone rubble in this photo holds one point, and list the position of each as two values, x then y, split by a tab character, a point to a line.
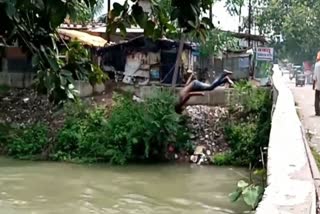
207	124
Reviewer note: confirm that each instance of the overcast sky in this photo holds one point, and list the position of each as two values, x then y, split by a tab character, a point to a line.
227	22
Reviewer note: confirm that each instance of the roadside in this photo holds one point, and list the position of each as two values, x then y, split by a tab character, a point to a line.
304	97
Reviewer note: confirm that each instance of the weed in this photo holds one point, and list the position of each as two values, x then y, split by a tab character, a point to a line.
28	142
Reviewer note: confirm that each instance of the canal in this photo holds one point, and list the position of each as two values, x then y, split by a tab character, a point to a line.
58	188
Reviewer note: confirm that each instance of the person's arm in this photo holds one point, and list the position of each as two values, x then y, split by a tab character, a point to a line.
189	79
189	95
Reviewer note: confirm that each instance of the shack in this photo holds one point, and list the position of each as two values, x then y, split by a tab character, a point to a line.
143	60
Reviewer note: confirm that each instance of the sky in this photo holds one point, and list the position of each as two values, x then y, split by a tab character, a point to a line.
227	22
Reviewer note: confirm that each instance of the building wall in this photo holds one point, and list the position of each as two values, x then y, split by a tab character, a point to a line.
16	69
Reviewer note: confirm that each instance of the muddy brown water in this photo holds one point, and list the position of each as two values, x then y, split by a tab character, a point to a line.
59	188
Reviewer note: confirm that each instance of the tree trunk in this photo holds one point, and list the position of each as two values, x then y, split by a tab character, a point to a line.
178	62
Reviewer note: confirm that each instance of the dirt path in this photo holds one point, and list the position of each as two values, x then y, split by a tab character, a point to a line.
304	97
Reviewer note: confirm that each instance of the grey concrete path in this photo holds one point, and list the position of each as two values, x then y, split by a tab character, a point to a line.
304	97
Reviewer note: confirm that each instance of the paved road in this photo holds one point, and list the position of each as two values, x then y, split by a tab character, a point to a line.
304	97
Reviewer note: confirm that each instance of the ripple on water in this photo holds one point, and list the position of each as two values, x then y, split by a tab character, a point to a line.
182	201
214	208
41	198
87	194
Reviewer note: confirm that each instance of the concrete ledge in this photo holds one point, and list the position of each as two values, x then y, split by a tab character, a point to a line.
217	97
291	187
99	88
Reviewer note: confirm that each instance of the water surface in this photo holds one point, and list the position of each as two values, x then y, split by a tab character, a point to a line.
58	188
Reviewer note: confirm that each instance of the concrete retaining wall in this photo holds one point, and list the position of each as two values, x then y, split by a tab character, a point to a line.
291	187
218	97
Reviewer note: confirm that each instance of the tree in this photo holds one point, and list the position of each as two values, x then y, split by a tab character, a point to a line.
295	22
234	7
86	13
217	41
33	25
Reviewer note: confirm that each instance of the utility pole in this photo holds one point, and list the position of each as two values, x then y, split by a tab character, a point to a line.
251	67
210	12
250	23
109	5
109	9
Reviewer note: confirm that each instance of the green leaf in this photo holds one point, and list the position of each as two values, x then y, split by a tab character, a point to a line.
149	29
251	197
70	95
53	64
117	9
234	196
157	33
139	15
63	81
122	29
35	60
242	184
192	24
66	73
170	27
90	3
135	140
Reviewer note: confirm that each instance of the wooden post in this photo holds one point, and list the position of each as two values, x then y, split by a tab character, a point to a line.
178	61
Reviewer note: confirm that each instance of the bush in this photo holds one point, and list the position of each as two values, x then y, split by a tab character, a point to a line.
130	132
242	141
29	142
249	132
78	140
222	159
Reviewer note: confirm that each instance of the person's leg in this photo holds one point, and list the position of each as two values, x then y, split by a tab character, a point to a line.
317	102
200	86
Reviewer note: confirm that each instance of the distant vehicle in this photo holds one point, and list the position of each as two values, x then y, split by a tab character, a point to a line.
300	79
294	71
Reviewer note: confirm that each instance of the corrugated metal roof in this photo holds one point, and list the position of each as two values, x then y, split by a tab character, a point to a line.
84	38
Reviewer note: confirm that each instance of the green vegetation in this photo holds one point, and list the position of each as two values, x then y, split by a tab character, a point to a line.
131	132
248	131
292	26
251	193
33	25
248	136
28	142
